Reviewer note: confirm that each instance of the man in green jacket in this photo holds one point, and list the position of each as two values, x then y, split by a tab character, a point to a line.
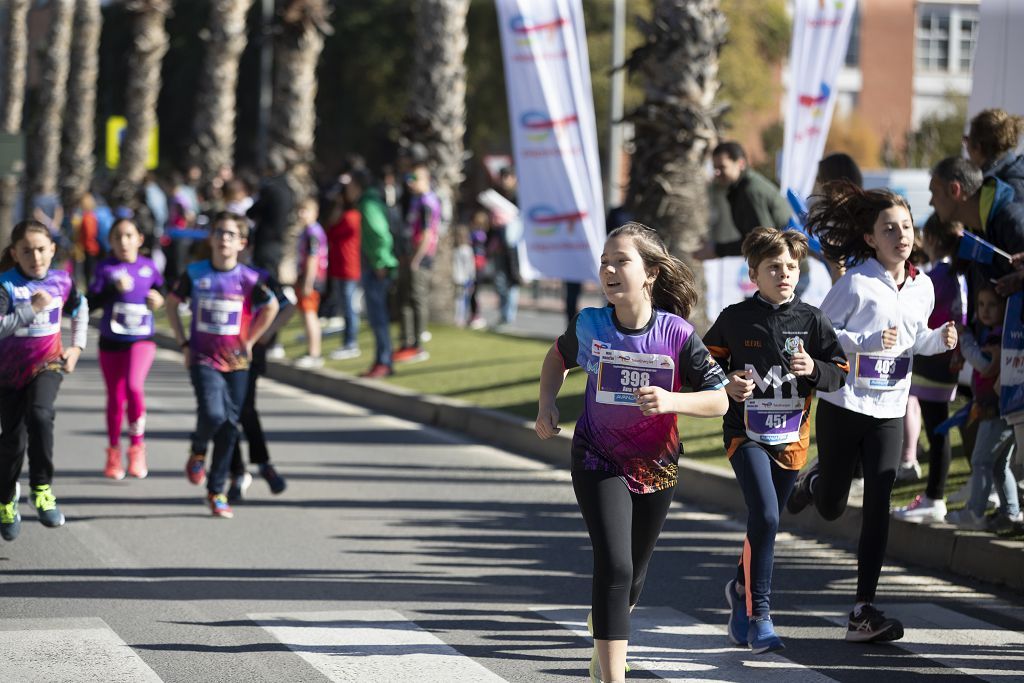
378	266
754	201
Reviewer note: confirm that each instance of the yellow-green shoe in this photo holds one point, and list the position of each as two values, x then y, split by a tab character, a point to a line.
10	517
46	506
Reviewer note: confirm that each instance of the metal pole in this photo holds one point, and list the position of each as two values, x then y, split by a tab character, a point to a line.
266	80
612	190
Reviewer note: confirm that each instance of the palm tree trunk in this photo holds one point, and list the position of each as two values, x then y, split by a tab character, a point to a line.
44	134
149	44
215	101
298	42
436	118
78	160
676	127
12	99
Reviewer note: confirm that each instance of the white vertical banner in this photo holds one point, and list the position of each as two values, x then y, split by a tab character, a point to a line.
998	54
554	135
821	33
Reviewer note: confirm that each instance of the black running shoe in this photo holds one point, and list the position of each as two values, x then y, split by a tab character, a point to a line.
872	626
801	496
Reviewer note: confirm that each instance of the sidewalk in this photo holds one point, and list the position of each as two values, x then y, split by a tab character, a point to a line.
975	554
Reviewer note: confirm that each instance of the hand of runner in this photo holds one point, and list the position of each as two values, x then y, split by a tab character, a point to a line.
70	357
654	401
739	387
949	336
890	337
547	422
40	300
801	364
154	299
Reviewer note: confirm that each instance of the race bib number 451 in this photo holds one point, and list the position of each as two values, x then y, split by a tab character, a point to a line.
621	373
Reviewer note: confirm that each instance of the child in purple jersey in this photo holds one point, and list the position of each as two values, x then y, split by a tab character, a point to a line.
638	353
126	287
231	308
32	364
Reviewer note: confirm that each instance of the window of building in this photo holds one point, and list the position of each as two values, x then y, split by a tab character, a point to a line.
946	36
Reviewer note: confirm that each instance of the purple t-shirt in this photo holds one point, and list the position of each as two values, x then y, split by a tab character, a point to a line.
613	435
313	242
35	346
223	303
126	317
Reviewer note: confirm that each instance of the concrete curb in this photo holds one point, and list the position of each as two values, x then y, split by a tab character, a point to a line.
981	556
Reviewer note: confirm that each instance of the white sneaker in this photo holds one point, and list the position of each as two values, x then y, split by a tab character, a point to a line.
309	362
965	519
922	509
345	353
908	471
333	325
425	336
276	352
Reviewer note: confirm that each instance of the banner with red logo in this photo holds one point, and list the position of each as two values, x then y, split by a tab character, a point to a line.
821	33
554	135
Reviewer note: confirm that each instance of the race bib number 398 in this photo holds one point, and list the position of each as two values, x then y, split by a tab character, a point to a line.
621	373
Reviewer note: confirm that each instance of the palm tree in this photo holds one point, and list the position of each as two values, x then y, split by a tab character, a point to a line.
12	97
676	126
214	145
77	159
149	44
436	118
46	124
298	42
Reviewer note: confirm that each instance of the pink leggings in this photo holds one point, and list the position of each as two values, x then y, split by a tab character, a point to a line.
125	374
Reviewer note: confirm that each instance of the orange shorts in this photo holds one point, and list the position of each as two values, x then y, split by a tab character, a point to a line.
310	303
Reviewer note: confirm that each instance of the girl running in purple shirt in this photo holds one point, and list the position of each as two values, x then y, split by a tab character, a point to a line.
638	353
125	287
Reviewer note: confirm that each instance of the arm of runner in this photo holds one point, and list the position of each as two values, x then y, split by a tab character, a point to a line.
552	376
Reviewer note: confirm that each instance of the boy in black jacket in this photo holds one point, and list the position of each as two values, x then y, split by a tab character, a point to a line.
777	351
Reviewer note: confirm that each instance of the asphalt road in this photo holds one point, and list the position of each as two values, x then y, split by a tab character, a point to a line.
401	553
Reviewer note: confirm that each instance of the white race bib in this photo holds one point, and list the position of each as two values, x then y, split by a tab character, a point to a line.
773	420
881	371
621	373
131	320
220	316
46	322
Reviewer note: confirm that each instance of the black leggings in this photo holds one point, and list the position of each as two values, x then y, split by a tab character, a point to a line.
845	438
26	425
624	527
933	413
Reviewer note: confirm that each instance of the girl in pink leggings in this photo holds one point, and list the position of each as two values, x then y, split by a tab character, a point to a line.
126	289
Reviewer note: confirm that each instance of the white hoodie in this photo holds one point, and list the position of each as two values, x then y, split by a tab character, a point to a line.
861	305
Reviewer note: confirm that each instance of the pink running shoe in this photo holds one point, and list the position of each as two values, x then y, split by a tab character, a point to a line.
137	461
114	469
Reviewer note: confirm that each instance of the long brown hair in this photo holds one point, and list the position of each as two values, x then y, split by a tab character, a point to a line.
7	260
843	214
674	289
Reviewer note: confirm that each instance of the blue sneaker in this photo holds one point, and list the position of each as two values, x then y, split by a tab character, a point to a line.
46	506
274	480
10	517
739	623
762	638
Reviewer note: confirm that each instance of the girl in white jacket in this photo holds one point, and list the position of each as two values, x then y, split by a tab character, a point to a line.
880	311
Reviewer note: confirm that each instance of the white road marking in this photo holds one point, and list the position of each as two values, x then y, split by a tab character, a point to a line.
679	648
968	645
89	650
372	646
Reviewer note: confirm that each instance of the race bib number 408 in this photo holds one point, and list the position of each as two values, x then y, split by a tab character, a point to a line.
621	373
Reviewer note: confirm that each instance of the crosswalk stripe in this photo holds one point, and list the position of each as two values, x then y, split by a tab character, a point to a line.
971	646
89	651
679	648
372	646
